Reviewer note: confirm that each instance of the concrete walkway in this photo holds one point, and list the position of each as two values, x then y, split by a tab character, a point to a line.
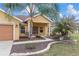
33	41
5	48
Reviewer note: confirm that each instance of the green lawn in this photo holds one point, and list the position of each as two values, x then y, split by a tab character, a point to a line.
62	50
75	36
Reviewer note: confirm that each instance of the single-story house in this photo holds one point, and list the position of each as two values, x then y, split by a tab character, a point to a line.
9	27
39	25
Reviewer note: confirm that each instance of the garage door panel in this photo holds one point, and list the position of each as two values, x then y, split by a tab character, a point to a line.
6	32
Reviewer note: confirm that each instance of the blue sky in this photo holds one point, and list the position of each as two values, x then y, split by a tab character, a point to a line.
63	9
16	12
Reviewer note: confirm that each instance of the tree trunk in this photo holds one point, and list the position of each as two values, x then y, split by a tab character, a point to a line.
30	34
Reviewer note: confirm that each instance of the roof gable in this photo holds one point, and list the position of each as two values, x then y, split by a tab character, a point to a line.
38	18
11	16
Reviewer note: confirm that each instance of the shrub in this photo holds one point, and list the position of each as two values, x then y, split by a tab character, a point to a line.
63	28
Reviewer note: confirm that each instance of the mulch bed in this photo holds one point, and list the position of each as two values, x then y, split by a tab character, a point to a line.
23	48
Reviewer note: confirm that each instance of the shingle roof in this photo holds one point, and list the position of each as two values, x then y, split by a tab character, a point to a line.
23	18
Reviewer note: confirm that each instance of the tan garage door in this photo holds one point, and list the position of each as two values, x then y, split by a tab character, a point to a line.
6	32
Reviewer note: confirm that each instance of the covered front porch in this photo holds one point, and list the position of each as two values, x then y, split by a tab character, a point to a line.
37	26
40	29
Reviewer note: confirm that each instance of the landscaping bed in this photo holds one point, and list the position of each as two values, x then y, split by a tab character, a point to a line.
30	47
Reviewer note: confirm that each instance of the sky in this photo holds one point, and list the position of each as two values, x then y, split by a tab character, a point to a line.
65	9
16	12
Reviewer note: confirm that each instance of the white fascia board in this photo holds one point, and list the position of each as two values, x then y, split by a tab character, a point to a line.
17	18
48	18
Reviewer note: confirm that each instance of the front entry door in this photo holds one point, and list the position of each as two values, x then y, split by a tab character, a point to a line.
35	30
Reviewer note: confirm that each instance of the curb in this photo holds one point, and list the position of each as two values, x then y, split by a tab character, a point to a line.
37	52
35	41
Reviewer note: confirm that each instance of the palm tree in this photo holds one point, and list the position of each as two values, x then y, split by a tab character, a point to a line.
64	27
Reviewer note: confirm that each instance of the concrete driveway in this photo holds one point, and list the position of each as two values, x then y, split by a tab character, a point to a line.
5	47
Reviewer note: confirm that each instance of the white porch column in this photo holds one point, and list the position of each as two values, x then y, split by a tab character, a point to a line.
49	29
29	28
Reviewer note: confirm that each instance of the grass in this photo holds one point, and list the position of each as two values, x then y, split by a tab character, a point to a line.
75	36
62	50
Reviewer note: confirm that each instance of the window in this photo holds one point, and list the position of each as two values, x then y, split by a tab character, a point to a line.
22	28
41	29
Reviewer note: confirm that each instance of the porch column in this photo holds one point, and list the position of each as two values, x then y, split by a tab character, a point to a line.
30	25
49	29
28	28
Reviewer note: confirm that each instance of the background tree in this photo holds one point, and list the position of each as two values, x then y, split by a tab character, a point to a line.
50	10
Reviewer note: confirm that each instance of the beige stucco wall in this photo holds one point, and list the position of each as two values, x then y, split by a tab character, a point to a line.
5	20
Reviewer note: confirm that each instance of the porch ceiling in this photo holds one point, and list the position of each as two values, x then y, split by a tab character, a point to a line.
40	24
34	21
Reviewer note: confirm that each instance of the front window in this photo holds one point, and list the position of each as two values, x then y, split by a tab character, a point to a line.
22	28
41	29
